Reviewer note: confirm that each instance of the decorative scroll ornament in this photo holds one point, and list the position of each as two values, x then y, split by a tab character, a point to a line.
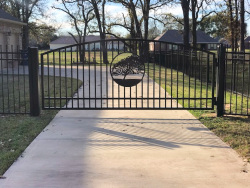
129	71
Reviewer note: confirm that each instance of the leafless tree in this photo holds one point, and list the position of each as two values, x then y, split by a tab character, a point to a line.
24	10
99	11
199	7
80	19
138	24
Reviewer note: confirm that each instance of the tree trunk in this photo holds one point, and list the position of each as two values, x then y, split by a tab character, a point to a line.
103	37
146	17
132	24
236	25
242	25
231	23
25	12
137	23
101	30
194	23
82	49
25	41
185	9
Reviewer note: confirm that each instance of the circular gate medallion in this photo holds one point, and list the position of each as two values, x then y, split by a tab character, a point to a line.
128	72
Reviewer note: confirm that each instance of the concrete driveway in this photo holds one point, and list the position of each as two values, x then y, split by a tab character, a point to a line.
126	149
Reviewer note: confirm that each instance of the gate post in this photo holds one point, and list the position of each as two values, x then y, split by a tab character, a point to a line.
220	81
34	81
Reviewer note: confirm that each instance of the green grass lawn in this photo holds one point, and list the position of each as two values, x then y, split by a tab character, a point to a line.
237	101
14	93
233	130
18	131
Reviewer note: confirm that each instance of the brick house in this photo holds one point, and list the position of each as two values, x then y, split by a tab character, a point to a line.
10	35
63	41
204	41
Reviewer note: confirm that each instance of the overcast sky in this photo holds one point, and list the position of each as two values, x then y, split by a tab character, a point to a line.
59	19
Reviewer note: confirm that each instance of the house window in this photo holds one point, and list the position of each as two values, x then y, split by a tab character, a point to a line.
163	46
212	46
170	46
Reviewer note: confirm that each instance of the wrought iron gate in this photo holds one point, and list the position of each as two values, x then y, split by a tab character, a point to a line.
237	87
128	74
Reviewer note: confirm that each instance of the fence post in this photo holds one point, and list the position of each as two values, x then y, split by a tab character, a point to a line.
220	82
34	81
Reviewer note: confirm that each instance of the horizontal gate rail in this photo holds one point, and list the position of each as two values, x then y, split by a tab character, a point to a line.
128	74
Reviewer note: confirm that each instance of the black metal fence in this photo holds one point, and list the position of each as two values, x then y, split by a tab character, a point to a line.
128	74
237	83
19	81
124	74
14	81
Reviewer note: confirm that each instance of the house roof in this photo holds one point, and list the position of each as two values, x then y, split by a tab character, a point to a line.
247	39
70	39
4	16
175	36
64	40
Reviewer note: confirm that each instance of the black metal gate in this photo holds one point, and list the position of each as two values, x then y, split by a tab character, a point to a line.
128	74
237	83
